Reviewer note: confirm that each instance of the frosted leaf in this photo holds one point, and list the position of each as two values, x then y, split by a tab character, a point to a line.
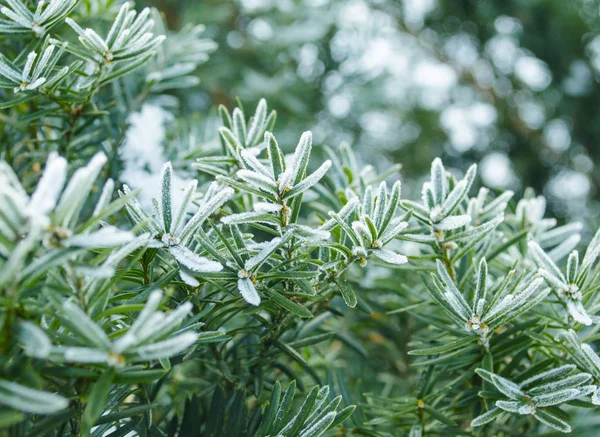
12	268
239	125
301	157
380	203
84	326
549	374
559	397
160	324
390	257
30	400
453	199
258	180
553	280
284	179
308	233
544	261
578	312
396	226
572	381
142	151
563	249
309	181
107	236
251	161
344	213
547	418
510	406
230	140
591	355
166	348
362	231
85	355
596	397
128	38
48	189
151	305
456	305
486	417
137	212
500	307
188	279
105	197
267	207
480	306
451	287
473	233
209	206
193	261
184	205
250	217
498	204
572	266
438	181
166	196
265	252
34	340
481	285
417	209
78	189
320	426
248	291
453	222
558	235
506	387
258	123
147	317
592	252
523	293
117	256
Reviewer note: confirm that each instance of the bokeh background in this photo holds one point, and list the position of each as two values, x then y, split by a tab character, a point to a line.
513	84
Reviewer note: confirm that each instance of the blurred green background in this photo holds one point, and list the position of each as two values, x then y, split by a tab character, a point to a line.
510	84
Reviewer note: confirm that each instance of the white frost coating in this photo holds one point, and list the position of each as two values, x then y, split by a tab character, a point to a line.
390	257
45	196
248	291
143	155
167	348
267	250
453	222
188	279
193	261
267	207
108	236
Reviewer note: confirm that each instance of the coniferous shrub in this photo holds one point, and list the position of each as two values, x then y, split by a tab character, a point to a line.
257	289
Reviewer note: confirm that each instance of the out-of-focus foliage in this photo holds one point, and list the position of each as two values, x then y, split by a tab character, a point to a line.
509	84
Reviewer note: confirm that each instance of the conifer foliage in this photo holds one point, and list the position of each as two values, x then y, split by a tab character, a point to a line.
236	304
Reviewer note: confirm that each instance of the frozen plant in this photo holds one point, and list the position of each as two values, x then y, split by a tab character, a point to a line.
169	224
485	313
277	268
377	225
47	14
36	73
129	38
572	287
535	395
